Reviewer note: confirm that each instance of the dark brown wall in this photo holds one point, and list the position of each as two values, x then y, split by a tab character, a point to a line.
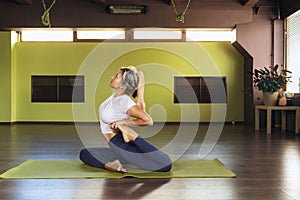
87	13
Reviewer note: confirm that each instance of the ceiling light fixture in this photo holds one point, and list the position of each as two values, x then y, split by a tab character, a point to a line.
126	9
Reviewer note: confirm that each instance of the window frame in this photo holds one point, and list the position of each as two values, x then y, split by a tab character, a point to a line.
58	87
129	35
197	93
287	58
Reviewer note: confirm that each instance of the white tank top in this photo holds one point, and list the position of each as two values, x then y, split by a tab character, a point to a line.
114	109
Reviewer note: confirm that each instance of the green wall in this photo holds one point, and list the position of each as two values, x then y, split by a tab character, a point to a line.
46	59
5	76
98	62
14	40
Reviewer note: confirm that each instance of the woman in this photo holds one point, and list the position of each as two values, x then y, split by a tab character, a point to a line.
117	114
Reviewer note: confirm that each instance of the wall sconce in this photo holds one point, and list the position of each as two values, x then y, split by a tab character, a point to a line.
126	9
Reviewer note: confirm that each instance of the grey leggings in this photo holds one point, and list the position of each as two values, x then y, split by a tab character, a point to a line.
139	153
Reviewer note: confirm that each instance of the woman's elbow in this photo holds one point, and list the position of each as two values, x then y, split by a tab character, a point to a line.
149	121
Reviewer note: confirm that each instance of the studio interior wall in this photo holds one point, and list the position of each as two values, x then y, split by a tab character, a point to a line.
5	76
98	62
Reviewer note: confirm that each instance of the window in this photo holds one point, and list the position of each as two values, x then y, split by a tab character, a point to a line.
157	34
51	35
100	35
121	35
200	89
211	35
292	51
57	89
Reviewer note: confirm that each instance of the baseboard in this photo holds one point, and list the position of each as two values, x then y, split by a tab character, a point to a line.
6	123
97	123
53	122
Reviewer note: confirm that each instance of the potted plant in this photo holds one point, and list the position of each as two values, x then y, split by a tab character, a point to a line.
270	81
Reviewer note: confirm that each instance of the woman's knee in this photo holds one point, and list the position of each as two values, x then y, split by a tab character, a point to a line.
87	158
84	153
167	168
168	164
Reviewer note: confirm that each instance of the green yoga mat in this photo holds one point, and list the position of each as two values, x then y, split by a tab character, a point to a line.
57	169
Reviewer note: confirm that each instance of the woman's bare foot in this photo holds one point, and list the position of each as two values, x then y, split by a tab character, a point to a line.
115	166
128	133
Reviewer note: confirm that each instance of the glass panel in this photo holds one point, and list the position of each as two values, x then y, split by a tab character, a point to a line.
213	90
211	35
71	89
156	34
186	89
293	49
53	35
44	89
100	34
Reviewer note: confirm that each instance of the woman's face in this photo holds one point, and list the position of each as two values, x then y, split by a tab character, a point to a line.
116	81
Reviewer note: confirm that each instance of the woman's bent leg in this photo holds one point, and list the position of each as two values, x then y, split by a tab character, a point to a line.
152	152
141	154
98	157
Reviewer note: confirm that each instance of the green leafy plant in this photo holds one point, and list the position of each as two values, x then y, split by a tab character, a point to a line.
270	80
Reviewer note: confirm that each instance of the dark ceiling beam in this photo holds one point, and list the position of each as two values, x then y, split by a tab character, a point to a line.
250	3
288	7
88	14
24	2
99	1
104	1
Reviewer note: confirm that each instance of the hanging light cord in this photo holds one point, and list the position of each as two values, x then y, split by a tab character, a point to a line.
180	17
46	16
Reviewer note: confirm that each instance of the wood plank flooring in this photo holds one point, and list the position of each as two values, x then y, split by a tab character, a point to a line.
267	165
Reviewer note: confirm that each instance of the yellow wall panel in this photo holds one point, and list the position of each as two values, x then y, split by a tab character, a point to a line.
98	62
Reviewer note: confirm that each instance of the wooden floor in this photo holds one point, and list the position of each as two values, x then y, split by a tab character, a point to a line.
267	166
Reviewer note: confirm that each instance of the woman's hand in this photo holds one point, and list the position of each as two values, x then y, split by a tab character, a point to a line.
115	125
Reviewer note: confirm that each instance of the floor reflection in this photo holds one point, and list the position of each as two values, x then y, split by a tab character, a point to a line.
291	170
130	188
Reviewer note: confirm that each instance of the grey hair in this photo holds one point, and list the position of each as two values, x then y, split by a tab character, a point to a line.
130	79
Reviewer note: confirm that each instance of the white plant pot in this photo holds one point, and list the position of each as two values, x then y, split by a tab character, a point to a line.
270	99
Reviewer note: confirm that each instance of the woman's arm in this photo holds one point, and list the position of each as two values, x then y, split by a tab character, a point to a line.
140	91
141	118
